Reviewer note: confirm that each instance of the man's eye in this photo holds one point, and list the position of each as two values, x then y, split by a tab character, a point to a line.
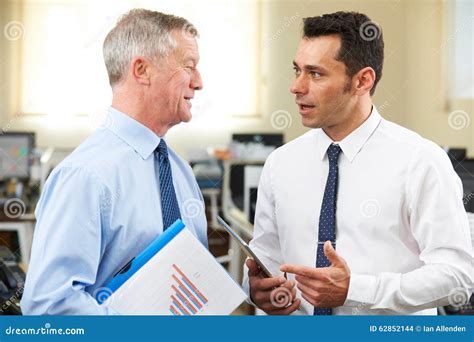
297	71
315	74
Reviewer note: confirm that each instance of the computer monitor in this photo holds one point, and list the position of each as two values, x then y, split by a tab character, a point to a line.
15	152
457	155
465	167
468	187
244	192
267	139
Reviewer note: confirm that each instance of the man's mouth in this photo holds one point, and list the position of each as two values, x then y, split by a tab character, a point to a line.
304	107
188	100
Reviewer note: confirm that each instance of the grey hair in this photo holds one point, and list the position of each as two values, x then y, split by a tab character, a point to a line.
141	32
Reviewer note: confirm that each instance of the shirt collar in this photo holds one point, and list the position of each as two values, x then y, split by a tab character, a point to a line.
139	137
353	143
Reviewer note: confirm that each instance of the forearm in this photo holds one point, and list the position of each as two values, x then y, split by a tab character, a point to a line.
427	287
37	302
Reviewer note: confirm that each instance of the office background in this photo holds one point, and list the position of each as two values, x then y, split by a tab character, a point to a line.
54	84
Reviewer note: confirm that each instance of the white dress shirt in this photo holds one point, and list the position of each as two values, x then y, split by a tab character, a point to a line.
400	221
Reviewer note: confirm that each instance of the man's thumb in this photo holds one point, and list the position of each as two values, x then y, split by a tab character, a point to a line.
253	267
330	253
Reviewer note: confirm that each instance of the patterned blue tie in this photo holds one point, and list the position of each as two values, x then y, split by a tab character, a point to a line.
327	217
169	204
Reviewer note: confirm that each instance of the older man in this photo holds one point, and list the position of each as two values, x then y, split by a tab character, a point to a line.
122	187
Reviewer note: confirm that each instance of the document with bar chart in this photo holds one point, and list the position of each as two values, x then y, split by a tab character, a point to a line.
181	279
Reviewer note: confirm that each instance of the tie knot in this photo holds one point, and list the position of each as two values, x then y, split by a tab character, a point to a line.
333	153
162	148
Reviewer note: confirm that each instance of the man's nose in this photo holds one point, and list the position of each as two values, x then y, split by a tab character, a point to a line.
299	85
196	81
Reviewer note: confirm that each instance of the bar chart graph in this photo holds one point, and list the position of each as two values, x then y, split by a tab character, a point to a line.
181	279
186	299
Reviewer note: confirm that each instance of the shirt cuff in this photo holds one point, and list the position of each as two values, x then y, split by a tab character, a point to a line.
362	289
246	288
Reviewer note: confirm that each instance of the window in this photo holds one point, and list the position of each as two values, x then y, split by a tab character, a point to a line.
62	69
462	51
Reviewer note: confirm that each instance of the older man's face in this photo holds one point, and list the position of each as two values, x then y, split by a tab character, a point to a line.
176	80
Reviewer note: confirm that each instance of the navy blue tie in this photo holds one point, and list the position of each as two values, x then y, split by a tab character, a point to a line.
169	203
327	217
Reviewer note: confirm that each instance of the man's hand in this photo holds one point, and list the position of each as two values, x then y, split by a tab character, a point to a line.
272	295
324	287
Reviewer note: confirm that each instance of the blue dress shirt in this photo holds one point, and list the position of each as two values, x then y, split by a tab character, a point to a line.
99	208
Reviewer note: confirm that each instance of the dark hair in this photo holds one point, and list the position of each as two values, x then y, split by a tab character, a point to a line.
361	40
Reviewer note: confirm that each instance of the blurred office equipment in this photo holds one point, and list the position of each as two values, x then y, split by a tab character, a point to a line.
239	189
23	227
16	151
12	280
465	169
457	305
208	172
16	148
251	180
249	151
254	146
19	190
228	180
456	155
208	175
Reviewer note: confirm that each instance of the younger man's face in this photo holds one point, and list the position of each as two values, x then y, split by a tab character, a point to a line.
321	86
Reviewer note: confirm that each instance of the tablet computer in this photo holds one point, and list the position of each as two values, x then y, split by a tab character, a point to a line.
245	247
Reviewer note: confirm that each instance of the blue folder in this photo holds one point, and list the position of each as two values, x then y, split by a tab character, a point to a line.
136	263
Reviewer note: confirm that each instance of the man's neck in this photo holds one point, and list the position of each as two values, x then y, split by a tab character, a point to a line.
356	119
128	105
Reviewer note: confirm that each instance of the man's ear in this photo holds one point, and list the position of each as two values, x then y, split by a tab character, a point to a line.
364	81
140	69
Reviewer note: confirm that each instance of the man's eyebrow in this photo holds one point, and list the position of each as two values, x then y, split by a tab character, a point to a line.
192	59
310	67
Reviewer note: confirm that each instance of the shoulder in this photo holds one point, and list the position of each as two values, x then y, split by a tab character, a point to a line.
411	143
97	158
296	148
101	150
